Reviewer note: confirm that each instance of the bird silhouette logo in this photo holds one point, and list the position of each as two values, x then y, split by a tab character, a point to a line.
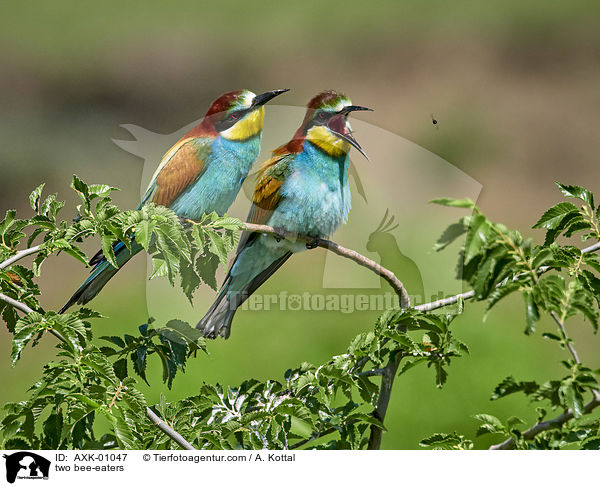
26	465
385	244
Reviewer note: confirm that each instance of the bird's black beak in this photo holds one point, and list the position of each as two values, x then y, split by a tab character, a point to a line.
264	98
348	136
350	108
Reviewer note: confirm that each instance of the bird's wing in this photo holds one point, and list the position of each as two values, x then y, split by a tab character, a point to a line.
181	165
267	193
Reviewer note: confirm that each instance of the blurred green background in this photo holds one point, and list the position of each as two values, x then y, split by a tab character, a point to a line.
515	87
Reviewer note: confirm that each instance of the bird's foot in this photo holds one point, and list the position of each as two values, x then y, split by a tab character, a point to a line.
279	234
313	242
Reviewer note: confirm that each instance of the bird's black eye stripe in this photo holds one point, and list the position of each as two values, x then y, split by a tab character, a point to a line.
322	116
230	120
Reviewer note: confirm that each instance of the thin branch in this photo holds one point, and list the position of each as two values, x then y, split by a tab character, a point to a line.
26	309
16	304
20	254
362	260
547	425
436	304
387	382
563	330
591	248
174	435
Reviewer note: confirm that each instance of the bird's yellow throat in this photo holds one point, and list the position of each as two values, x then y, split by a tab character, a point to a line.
328	142
250	126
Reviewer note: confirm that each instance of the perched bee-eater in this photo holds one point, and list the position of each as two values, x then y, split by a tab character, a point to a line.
303	189
201	173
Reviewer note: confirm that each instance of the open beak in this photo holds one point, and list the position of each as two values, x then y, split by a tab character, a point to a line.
348	136
264	98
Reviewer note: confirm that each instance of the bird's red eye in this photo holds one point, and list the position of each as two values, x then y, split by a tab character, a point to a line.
234	116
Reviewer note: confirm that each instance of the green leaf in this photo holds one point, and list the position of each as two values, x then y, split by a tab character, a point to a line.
447	441
85	400
120	367
25	330
477	237
572	398
455	203
189	333
578	192
490	424
107	249
7	222
500	292
34	197
143	233
218	247
100	190
593	443
139	361
532	314
123	428
206	267
554	216
198	235
509	386
53	429
76	253
552	336
441	375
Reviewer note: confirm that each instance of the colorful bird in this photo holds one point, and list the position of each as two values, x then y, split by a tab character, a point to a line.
201	173
302	188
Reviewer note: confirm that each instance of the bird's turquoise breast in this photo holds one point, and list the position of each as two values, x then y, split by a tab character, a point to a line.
225	170
316	194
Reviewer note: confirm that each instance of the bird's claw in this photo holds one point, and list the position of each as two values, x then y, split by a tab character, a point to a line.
279	234
313	243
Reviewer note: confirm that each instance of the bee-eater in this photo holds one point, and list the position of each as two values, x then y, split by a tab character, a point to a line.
302	189
201	173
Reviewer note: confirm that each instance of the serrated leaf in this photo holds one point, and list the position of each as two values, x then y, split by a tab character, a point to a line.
554	216
500	292
107	250
85	400
509	386
120	367
122	427
477	237
578	192
532	314
217	247
34	197
143	233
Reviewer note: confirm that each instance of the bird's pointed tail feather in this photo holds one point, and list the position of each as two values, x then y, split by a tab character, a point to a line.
101	274
217	321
